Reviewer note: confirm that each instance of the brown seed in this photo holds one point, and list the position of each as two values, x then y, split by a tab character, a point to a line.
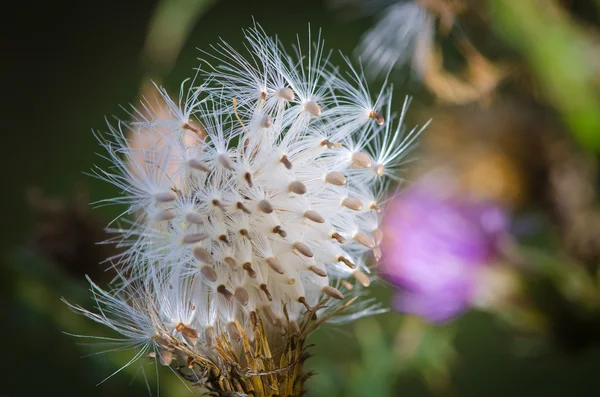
248	268
362	278
303	249
346	262
165	356
313	108
286	162
335	178
346	284
361	159
190	127
189	334
208	273
266	121
225	292
314	216
194	218
263	95
263	288
286	93
240	206
375	207
270	315
203	255
219	204
378	118
163	342
275	264
338	237
224	238
352	203
165	215
278	230
244	232
198	165
328	143
165	197
194	238
209	336
225	161
248	178
364	239
297	187
241	295
318	271
265	206
233	332
230	261
333	292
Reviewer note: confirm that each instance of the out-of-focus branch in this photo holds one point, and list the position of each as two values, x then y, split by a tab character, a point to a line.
169	27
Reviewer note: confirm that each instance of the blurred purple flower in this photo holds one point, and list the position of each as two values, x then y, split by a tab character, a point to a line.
435	242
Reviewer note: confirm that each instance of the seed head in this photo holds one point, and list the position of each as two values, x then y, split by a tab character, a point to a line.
253	217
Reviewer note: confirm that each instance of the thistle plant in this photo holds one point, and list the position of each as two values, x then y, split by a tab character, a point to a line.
439	244
252	210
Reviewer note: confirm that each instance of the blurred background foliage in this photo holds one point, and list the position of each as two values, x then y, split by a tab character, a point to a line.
519	103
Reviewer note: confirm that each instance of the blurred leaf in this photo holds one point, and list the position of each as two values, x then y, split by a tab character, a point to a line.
561	56
428	350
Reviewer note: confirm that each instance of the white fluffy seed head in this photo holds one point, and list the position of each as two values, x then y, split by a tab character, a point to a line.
269	206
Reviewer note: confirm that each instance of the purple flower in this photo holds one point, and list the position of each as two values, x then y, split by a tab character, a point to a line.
435	242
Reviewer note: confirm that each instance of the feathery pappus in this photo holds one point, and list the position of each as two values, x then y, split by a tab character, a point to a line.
253	204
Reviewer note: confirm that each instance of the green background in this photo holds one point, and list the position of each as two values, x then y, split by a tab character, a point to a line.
68	64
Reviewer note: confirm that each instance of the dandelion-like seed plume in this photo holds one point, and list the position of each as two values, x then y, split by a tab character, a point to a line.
253	206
